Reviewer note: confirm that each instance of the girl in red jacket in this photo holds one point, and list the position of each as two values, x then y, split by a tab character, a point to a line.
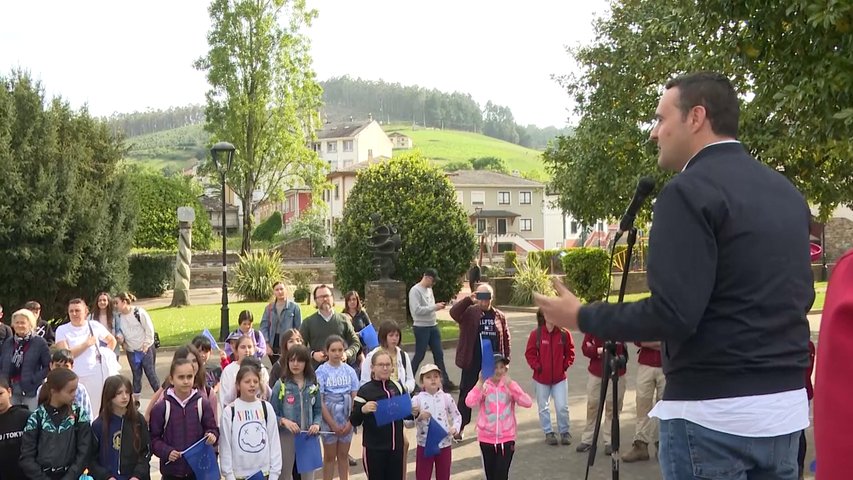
550	352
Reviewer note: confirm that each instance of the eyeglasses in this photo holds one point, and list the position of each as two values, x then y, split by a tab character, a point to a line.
322	296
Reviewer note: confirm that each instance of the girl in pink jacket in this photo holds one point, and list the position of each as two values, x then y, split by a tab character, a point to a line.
497	398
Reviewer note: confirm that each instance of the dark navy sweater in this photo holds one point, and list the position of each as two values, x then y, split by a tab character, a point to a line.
730	278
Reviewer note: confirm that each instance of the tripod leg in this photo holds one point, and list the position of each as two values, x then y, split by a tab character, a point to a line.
614	432
602	398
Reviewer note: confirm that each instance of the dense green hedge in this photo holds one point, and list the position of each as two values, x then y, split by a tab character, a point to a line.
151	274
269	228
587	272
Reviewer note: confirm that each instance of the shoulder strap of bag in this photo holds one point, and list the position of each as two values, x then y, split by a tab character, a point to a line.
97	347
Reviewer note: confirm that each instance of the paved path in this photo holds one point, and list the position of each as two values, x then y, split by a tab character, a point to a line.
533	459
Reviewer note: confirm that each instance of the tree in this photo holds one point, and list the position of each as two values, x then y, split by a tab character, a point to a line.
158	198
263	97
310	225
456	166
419	200
489	163
66	219
789	60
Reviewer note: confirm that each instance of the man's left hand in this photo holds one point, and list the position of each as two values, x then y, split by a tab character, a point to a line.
563	309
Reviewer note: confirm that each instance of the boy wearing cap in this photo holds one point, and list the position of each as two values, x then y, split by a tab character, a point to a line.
432	402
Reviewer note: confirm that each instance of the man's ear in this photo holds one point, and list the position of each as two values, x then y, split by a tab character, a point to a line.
697	118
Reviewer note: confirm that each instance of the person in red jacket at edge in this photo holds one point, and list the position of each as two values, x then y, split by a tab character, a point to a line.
593	348
550	352
650	385
833	390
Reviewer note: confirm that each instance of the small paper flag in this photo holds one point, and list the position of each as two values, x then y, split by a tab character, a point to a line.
435	434
395	408
488	364
369	337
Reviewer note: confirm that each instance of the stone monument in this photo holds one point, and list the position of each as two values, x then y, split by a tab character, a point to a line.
181	293
385	298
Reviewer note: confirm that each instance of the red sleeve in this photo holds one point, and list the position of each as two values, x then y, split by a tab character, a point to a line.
531	353
569	357
457	311
590	346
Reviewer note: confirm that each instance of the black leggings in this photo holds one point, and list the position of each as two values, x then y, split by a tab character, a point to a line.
497	459
469	378
383	464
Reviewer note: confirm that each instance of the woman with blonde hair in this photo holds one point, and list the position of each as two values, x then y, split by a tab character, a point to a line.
24	359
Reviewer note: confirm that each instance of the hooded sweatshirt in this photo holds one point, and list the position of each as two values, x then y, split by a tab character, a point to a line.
496	419
250	441
12	425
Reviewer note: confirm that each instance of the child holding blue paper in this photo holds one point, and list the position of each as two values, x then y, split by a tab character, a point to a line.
296	401
401	366
496	398
383	442
433	404
338	386
250	442
179	421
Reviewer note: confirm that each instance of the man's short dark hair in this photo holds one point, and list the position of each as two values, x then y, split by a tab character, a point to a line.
713	91
318	287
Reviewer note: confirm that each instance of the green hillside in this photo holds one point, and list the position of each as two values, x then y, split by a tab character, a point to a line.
179	148
175	148
443	146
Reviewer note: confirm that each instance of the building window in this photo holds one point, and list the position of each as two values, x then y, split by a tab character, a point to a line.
501	226
337	193
316	147
600	226
481	225
503	198
331	147
525	198
478	198
526	224
574	227
347	145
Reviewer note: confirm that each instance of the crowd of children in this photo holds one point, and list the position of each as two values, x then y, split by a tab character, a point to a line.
253	416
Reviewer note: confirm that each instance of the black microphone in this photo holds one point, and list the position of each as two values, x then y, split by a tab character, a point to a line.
644	188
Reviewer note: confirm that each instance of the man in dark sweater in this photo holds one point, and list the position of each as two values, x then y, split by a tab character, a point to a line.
731	283
318	327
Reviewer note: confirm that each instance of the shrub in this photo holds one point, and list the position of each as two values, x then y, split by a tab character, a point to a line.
301	284
420	202
256	273
158	198
586	272
528	279
151	273
509	259
269	228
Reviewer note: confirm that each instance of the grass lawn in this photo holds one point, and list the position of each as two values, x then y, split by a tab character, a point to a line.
177	326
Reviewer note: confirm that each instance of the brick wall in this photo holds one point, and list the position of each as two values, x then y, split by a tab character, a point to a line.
839	238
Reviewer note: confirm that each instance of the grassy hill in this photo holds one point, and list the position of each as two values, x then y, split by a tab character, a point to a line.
443	146
179	148
176	148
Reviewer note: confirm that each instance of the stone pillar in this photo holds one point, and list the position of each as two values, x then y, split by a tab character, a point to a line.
181	292
386	300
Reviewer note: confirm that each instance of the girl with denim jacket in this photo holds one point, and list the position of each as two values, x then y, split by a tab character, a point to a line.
296	402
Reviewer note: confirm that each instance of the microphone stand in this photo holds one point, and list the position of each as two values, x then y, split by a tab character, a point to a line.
611	364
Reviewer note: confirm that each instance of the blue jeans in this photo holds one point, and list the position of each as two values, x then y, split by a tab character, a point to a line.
689	450
429	337
560	393
147	366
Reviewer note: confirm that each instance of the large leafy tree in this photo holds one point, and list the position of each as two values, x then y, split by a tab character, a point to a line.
66	215
419	200
789	59
263	97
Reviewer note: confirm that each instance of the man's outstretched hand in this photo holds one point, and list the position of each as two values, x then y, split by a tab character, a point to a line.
563	309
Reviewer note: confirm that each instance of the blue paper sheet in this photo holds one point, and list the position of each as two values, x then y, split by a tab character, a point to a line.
136	357
391	409
369	337
435	434
259	475
488	364
308	454
202	459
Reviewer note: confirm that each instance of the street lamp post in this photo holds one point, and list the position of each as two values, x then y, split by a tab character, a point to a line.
222	166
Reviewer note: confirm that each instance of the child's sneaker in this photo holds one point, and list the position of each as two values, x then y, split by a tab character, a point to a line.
565	438
550	438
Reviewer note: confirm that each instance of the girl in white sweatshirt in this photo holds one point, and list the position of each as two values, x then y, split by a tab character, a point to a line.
249	435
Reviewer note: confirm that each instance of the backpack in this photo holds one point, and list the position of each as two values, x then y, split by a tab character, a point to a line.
169	411
233	410
156	335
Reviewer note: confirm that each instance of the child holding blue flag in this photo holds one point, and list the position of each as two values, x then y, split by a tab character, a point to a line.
432	405
296	401
383	443
250	442
338	386
179	421
496	398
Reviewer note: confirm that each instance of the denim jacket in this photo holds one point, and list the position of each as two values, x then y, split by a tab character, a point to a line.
300	406
277	322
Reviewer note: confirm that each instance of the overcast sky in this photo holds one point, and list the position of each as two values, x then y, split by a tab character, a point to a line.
122	56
